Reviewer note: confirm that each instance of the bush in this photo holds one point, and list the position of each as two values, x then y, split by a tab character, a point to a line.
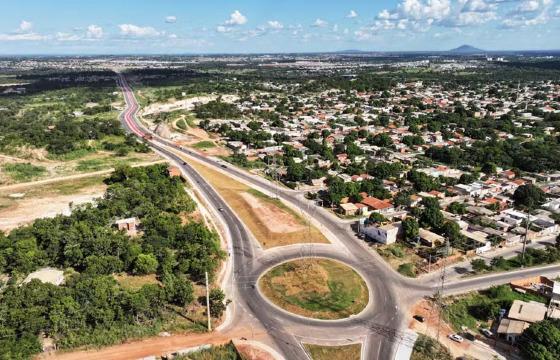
24	172
407	269
426	348
145	264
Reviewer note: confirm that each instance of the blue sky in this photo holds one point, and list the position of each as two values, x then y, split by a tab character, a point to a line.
243	26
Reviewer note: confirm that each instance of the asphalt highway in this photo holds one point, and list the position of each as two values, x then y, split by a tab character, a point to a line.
382	323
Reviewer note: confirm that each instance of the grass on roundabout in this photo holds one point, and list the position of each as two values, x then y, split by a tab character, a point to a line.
343	352
315	288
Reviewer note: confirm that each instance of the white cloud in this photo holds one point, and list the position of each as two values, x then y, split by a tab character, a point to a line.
23	33
61	36
171	19
529	6
352	14
22	37
138	31
223	29
236	18
529	13
320	23
94	32
25	26
276	25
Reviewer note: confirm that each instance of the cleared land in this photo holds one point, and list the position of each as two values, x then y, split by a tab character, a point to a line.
269	220
27	204
316	288
345	352
15	170
401	258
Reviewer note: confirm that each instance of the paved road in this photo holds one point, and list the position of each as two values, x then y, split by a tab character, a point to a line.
384	320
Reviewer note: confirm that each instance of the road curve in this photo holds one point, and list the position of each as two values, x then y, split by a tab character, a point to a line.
382	323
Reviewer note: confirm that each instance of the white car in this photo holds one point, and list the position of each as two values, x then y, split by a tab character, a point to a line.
486	332
456	337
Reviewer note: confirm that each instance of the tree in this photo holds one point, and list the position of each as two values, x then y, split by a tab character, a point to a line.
377	217
217	304
529	196
479	265
381	140
410	228
178	290
145	264
541	340
457	208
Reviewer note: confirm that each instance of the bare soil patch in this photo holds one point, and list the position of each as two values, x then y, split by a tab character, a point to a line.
26	205
273	218
232	191
250	352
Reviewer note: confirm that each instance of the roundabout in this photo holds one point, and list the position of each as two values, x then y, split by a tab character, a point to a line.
317	288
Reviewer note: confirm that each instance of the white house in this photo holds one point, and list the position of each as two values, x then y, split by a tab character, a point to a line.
385	234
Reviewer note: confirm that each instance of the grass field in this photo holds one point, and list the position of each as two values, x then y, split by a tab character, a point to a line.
232	192
20	172
316	288
345	352
204	145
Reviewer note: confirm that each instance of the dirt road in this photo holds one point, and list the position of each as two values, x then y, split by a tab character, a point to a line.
151	346
19	186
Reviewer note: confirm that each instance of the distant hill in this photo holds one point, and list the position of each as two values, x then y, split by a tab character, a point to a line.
466	49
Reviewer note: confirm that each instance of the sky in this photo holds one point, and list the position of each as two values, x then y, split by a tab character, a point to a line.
274	26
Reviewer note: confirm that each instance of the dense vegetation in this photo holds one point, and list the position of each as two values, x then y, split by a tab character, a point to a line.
426	348
91	307
62	121
541	341
480	307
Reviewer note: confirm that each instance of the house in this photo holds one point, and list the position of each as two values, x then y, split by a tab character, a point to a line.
429	238
555	295
237	146
530	312
385	234
129	225
374	204
348	209
511	330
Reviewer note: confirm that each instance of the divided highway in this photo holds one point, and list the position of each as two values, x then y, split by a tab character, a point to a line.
384	321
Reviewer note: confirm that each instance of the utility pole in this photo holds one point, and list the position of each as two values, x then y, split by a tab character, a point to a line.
440	297
525	237
208	302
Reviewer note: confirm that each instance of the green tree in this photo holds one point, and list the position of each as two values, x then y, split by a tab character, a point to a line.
410	228
529	196
479	265
145	264
217	304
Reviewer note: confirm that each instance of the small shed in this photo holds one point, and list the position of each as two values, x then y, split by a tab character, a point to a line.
129	225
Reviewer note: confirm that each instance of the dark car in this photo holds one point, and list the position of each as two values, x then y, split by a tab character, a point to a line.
225	167
419	318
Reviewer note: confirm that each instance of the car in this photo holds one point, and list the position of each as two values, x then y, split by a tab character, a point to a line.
456	337
220	209
184	163
419	318
225	167
486	333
